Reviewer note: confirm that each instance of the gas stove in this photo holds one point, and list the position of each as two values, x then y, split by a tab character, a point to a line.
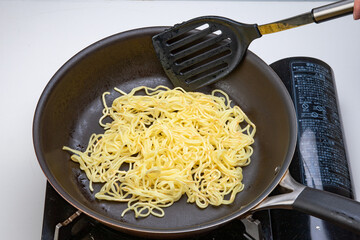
63	221
323	166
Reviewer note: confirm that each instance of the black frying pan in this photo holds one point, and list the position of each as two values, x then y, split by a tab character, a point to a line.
70	107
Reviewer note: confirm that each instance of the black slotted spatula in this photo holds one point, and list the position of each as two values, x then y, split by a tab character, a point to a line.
202	50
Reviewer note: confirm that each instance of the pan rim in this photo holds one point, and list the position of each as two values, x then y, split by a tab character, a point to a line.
131	227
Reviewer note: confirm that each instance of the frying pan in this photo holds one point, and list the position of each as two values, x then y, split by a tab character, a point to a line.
70	107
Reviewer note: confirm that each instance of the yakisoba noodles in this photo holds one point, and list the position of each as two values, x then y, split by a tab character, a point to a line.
166	143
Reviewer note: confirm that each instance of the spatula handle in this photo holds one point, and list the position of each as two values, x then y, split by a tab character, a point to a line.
317	15
333	10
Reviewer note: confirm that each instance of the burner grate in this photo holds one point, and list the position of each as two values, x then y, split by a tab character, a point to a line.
62	221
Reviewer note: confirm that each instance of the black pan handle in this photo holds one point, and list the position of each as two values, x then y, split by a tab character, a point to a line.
337	209
331	207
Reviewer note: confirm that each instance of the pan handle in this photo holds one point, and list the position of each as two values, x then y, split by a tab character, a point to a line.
340	210
331	207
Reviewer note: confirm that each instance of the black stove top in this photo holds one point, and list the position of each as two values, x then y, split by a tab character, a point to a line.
58	211
311	85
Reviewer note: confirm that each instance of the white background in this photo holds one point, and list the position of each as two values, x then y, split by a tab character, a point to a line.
37	37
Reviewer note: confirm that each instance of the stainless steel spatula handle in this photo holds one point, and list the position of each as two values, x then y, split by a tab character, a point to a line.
333	10
317	15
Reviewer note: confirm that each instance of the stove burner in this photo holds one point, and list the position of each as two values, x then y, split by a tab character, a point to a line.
63	221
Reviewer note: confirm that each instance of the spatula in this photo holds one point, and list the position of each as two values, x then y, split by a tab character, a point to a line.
201	51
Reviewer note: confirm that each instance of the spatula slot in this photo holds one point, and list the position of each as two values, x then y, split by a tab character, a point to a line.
204	68
203	27
187	41
209	73
199	46
203	59
205	53
190	39
188	31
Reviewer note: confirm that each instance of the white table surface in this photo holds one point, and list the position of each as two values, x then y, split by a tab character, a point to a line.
37	37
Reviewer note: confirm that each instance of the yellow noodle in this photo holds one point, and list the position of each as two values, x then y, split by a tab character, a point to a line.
167	143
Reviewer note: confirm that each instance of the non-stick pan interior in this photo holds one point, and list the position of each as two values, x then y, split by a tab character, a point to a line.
70	107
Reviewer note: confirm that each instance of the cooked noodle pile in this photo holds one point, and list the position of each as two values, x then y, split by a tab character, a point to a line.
167	143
